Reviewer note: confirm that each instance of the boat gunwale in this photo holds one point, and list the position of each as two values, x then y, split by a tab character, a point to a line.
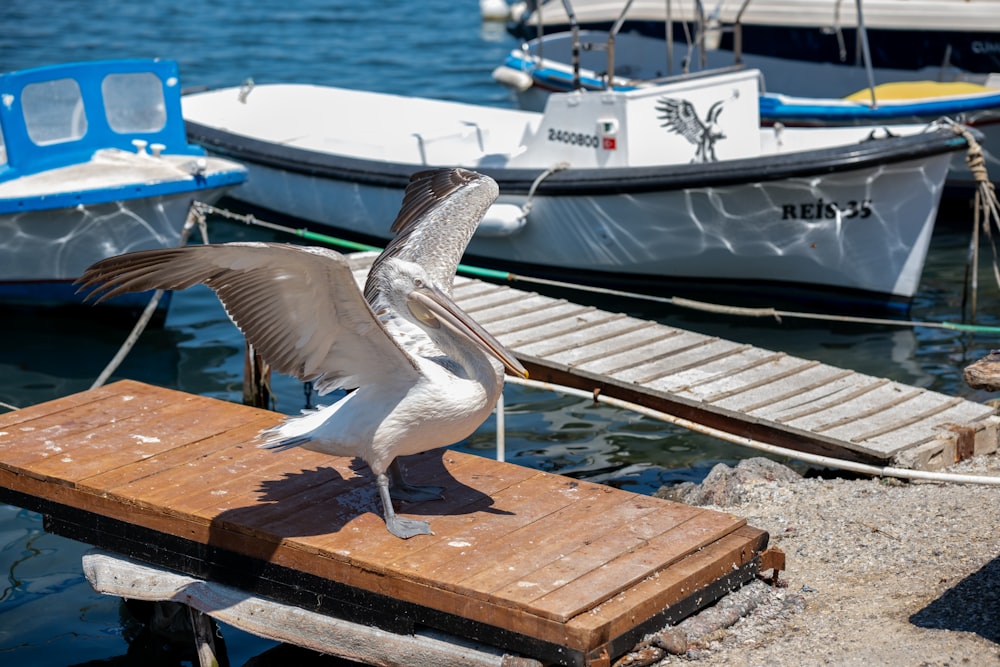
590	181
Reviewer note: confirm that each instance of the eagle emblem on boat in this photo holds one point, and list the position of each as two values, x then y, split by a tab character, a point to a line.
681	117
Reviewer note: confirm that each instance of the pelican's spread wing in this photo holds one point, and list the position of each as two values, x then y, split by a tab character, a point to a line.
680	116
440	211
298	306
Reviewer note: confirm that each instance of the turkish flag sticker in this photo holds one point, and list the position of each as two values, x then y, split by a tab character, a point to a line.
609	144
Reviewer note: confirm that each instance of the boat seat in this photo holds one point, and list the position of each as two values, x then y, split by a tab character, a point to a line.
912	90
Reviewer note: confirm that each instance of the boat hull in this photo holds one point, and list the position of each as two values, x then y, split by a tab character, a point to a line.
852	221
43	251
772	240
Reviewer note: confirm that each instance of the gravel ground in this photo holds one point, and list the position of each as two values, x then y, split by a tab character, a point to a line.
879	572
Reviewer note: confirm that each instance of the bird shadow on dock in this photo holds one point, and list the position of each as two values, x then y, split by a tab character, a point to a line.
325	499
969	606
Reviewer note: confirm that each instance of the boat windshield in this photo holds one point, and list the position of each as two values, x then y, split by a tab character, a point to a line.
133	102
53	111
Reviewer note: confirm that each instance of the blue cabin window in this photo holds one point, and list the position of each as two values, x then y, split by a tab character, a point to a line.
53	111
133	102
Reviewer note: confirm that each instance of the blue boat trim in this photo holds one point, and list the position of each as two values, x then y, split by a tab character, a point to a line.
121	193
791	110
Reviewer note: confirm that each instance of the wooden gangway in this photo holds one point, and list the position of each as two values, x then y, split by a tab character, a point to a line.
560	570
745	390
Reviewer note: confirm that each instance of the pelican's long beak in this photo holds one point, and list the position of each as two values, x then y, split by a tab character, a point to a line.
433	307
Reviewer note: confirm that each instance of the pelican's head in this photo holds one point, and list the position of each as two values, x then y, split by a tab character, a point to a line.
409	291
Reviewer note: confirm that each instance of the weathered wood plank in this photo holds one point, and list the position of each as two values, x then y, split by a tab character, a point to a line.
589	327
690	380
806	377
655	350
527	315
654	373
598	343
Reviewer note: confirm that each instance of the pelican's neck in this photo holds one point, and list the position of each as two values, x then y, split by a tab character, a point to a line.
472	361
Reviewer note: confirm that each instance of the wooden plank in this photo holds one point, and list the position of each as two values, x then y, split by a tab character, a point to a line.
206	482
528	315
865	401
757	397
598	571
525	568
639	356
593	325
652	374
597	343
616	616
485	300
815	403
743	360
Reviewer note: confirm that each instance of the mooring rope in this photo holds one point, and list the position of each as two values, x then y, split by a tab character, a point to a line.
679	302
986	213
194	217
557	167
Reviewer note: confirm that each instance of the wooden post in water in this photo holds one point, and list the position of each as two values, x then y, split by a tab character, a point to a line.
256	380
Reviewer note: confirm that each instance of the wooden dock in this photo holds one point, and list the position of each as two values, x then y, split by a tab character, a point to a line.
555	569
748	391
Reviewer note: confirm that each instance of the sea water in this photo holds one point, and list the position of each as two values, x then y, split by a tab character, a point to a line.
434	48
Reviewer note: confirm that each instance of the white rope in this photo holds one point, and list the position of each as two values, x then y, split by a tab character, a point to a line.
501	431
526	208
829	461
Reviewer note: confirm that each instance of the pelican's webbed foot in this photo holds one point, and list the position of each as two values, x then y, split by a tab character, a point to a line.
397	525
406	492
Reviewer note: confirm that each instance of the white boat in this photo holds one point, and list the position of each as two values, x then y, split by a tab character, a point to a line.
94	162
811	94
904	34
670	188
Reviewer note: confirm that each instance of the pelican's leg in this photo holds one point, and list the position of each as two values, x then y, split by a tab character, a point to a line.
403	490
397	525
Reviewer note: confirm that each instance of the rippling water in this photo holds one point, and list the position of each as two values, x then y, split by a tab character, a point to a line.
434	48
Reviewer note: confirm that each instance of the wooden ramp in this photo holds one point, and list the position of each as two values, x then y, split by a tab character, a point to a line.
741	389
541	565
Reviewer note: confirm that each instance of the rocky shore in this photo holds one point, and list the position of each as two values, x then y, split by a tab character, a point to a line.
879	572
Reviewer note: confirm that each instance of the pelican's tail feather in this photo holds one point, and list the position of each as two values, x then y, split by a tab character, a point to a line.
294	431
271	439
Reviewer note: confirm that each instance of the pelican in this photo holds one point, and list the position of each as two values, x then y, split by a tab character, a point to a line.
425	374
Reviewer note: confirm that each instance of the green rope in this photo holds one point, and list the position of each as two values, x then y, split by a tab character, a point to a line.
492	274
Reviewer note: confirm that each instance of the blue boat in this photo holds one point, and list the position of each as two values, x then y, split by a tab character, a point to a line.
94	161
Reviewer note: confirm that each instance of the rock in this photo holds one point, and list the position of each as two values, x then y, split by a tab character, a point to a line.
672	640
985	373
725	486
641	657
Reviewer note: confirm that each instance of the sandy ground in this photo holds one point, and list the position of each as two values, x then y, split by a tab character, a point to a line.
879	572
